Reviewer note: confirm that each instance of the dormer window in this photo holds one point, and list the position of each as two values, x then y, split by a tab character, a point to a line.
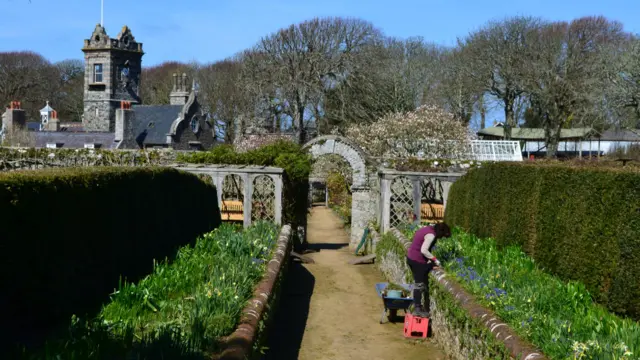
97	73
195	125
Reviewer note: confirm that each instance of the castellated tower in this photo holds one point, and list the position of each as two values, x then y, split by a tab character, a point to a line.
112	74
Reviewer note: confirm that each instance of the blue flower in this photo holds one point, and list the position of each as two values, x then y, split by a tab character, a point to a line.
530	319
510	308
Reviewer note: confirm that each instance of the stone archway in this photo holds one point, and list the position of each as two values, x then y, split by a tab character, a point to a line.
362	207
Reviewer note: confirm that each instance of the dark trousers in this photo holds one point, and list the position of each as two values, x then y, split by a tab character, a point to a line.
420	274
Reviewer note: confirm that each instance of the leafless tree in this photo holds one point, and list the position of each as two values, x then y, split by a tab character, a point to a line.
157	81
70	104
568	73
498	56
222	94
293	68
29	78
624	78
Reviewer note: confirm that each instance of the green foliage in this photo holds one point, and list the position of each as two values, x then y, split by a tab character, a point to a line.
70	234
578	222
287	155
474	336
471	334
182	309
339	196
560	318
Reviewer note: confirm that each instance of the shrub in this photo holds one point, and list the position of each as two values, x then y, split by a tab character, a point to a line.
580	223
559	318
184	308
69	234
283	154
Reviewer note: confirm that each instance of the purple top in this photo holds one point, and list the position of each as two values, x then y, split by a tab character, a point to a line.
414	252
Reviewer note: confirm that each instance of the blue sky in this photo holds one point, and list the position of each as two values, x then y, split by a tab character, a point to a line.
206	30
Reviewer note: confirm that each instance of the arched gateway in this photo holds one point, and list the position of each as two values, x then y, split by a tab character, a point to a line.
362	204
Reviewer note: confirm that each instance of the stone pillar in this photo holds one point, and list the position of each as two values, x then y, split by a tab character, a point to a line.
385	204
277	180
417	199
362	213
446	185
248	198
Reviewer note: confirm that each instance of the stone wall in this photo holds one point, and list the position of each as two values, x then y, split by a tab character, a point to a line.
241	344
363	204
465	329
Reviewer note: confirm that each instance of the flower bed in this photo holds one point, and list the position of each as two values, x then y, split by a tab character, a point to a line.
184	309
458	326
560	318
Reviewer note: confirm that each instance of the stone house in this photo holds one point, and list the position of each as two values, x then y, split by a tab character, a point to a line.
114	116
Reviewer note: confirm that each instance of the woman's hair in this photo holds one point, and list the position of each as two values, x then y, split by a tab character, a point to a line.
442	230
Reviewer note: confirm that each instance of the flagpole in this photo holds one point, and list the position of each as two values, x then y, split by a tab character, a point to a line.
102	13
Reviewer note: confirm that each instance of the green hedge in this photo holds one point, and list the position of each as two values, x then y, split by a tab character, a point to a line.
579	223
70	234
287	155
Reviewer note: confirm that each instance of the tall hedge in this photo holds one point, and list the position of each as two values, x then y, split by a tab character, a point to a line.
579	223
68	235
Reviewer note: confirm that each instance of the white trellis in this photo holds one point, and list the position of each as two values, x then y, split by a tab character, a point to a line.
255	186
404	194
264	194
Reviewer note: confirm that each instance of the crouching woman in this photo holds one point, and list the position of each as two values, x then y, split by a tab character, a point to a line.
421	262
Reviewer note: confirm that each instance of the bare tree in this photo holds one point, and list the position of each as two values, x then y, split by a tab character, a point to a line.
29	78
303	61
568	73
624	78
157	81
498	57
221	93
71	97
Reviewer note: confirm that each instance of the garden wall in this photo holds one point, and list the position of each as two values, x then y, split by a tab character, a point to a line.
248	338
69	234
579	223
465	329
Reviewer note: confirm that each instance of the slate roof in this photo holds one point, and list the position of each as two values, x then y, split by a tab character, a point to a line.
620	135
535	133
153	123
33	125
75	140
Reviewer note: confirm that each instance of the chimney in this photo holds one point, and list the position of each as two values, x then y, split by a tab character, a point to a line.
54	122
125	118
14	123
14	118
179	94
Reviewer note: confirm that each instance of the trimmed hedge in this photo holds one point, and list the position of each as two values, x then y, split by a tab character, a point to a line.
287	155
70	235
579	223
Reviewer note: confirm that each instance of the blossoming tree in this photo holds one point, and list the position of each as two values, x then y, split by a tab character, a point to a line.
427	132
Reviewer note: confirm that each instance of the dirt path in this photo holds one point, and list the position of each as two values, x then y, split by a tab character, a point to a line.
332	309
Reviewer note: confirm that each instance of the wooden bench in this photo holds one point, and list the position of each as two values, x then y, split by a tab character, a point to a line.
232	210
432	212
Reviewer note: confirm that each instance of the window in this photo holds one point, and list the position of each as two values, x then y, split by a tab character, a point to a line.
45	118
97	73
195	125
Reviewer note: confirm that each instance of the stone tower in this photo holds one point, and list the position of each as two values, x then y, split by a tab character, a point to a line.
112	75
